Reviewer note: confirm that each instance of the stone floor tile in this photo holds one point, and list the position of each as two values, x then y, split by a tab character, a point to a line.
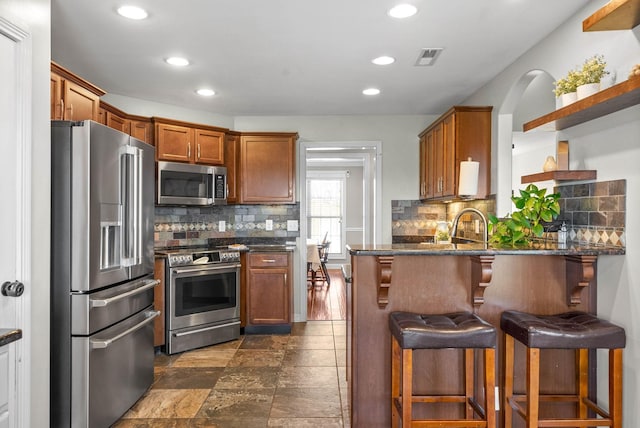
309	357
312	328
205	357
248	377
306	403
189	378
311	342
273	343
256	358
237	403
305	423
311	377
168	403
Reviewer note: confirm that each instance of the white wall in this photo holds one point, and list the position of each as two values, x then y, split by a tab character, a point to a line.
399	136
610	145
34	17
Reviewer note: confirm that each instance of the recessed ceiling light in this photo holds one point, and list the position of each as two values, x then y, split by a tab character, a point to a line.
132	12
177	61
371	91
206	92
383	60
404	10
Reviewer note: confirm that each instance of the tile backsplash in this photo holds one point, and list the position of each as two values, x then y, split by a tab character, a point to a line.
593	212
198	226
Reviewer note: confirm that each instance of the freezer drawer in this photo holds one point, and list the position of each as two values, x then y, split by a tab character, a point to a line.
94	311
111	370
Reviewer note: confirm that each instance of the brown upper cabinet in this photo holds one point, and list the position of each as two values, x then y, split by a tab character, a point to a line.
185	142
73	98
136	126
267	167
462	132
232	162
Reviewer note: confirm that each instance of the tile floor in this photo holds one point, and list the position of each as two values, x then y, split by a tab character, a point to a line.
296	380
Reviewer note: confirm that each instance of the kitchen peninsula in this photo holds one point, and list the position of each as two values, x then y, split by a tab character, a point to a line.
429	278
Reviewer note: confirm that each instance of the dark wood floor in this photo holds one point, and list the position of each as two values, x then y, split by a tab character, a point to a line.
327	303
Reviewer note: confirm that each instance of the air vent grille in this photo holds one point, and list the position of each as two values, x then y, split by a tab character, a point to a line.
428	56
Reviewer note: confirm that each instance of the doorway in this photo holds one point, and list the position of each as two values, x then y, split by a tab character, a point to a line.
357	166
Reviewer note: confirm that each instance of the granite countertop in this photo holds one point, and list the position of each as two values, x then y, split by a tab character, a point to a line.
550	248
8	335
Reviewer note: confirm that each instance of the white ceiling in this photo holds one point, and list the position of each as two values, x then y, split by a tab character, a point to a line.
299	57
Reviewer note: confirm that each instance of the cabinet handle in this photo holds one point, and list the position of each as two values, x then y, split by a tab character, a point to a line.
268	261
70	111
189	149
61	115
198	150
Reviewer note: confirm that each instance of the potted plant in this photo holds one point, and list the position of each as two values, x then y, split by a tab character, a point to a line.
524	226
566	88
591	74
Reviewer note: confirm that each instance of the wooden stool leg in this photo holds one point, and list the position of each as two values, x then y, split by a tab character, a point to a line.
508	380
469	376
615	387
582	366
395	380
533	387
407	373
490	386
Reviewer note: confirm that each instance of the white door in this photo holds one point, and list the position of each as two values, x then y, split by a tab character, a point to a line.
14	194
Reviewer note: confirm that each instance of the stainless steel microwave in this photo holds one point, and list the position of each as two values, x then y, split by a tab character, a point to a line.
189	184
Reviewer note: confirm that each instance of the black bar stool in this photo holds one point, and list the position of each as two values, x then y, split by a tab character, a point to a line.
571	330
462	330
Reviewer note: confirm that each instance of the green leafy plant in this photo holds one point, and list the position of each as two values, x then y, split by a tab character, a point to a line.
521	227
592	71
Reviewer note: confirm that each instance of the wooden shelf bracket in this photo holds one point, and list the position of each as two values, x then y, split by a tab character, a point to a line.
580	271
384	279
481	273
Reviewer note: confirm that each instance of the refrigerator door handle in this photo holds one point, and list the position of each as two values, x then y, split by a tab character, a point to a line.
132	189
101	344
98	303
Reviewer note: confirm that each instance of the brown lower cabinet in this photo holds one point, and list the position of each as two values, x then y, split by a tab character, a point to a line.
158	302
269	294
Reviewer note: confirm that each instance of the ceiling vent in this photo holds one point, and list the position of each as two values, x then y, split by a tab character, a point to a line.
428	56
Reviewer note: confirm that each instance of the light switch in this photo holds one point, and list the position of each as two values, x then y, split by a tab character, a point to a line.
222	226
268	225
292	225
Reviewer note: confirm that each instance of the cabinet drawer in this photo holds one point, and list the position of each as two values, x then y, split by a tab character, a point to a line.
268	260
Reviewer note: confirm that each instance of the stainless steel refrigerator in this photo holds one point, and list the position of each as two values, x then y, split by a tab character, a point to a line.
102	203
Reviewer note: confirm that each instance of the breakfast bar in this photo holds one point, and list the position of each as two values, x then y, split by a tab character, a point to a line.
439	278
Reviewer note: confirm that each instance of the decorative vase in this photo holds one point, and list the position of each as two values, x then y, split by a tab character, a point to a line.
587	90
566	99
549	164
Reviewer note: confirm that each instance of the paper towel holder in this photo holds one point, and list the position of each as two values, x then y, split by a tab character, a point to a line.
468	180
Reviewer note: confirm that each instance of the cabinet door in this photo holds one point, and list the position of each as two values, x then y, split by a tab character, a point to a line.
141	130
174	143
231	155
56	96
268	289
267	165
158	302
449	156
209	147
438	159
79	103
116	122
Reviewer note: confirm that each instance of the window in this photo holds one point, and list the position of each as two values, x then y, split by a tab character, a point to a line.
325	208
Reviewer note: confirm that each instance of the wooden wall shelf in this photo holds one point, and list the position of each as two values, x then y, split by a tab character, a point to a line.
612	99
567	175
615	15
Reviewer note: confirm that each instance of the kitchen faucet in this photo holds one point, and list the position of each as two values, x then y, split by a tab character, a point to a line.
454	228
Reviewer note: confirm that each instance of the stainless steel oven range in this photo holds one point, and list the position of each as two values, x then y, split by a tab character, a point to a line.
202	303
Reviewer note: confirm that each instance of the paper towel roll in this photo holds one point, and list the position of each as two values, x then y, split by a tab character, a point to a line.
468	183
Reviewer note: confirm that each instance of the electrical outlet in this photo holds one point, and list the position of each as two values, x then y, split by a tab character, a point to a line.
222	226
497	398
268	225
292	225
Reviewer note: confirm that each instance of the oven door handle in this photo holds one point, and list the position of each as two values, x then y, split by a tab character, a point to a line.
99	303
180	271
101	344
200	330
